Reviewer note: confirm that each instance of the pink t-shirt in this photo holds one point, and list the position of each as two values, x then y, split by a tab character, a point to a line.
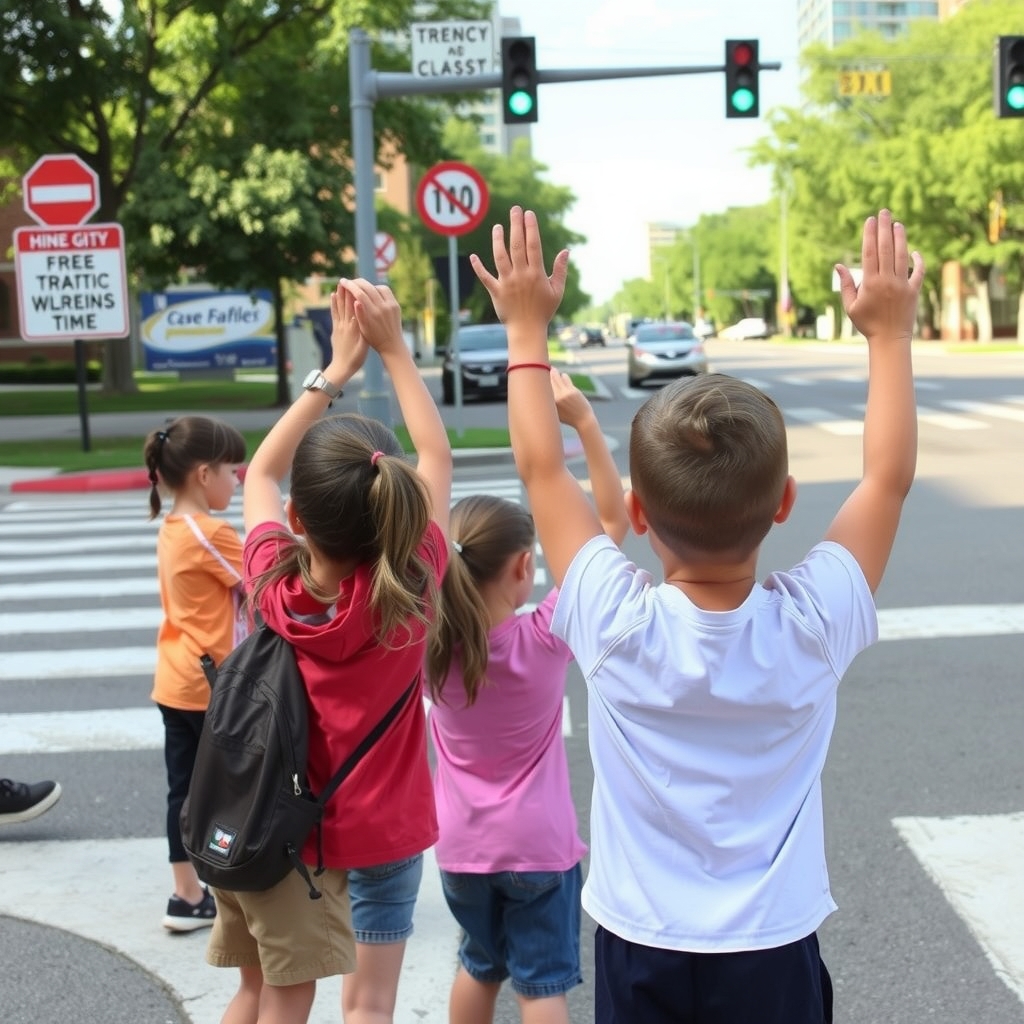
501	784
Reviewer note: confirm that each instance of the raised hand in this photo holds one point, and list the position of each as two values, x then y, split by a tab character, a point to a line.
885	302
522	292
572	405
348	346
378	314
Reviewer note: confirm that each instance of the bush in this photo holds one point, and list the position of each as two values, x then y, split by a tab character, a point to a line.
38	371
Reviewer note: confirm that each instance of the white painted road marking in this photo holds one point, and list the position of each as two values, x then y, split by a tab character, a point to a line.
975	861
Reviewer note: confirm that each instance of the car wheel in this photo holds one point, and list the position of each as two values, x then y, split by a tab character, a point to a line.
633	382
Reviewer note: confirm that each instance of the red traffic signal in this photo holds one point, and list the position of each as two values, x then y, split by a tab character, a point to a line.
741	78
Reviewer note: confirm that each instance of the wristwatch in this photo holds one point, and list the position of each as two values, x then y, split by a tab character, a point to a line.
316	381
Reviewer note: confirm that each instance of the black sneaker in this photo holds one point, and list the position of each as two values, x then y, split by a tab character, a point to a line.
23	801
183	916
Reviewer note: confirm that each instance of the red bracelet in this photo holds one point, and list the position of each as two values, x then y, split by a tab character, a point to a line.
528	366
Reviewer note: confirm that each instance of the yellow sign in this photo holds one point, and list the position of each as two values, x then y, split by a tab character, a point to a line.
865	83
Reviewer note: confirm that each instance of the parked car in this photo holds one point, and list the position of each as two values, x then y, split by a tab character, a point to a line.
664	350
704	328
589	336
747	328
483	356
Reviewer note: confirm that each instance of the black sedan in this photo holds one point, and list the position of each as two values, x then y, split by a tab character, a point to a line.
483	356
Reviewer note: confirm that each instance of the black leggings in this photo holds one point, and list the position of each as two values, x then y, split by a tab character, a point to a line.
181	741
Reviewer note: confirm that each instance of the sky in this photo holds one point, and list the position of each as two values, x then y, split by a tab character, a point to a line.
649	149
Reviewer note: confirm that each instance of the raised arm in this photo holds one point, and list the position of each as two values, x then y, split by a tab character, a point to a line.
526	298
884	310
380	319
605	483
272	460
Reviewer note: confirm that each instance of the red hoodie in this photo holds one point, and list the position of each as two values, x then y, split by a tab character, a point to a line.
384	811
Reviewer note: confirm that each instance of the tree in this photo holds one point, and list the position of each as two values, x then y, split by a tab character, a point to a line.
219	129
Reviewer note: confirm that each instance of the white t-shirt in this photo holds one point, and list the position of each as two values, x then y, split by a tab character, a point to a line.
708	734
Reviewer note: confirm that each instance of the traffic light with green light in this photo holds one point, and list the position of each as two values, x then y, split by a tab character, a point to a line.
519	79
741	78
1009	75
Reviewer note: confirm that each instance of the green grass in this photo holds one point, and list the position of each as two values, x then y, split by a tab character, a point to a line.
156	394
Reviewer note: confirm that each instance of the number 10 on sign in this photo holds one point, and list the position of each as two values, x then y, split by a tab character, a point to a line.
452	198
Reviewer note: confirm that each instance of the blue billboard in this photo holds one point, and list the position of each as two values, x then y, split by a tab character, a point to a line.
208	330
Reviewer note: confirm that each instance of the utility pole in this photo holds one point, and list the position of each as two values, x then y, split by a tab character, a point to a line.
366	87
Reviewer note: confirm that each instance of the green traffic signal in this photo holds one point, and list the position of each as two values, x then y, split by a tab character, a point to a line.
1009	76
742	100
1015	97
520	103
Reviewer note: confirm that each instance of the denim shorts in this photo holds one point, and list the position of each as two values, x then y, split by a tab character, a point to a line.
383	899
519	924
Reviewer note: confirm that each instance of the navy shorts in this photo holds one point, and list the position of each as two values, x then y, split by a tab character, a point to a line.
383	899
786	985
519	924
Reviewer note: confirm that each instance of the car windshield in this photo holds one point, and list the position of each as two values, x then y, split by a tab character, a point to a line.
475	339
665	332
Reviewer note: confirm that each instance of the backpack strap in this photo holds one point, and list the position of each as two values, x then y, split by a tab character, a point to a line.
368	741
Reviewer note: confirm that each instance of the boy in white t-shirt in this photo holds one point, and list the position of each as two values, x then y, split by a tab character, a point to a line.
712	696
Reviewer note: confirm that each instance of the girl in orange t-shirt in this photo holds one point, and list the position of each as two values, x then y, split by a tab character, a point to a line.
194	460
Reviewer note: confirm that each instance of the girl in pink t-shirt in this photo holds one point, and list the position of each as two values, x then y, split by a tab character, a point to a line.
508	850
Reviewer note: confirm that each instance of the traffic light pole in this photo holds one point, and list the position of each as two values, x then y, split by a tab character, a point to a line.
367	86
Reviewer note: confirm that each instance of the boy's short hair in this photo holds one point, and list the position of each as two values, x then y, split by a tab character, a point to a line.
708	462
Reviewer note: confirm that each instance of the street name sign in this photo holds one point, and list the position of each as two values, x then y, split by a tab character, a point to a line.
60	188
442	48
72	282
452	198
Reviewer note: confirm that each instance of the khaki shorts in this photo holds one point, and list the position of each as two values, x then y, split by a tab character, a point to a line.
291	938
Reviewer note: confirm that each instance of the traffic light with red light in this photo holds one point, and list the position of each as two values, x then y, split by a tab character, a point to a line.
1009	76
519	79
741	78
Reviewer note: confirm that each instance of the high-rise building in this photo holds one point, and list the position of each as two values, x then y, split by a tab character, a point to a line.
834	21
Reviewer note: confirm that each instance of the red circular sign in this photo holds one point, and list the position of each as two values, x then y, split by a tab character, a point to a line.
452	198
60	190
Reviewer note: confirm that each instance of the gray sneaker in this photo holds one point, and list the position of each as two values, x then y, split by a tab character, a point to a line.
23	801
183	916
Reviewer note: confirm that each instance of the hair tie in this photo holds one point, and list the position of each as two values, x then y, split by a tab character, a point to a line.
161	436
457	546
375	458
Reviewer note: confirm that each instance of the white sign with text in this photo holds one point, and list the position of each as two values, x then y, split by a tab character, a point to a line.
460	48
72	282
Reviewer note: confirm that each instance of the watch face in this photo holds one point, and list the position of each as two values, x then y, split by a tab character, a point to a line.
312	378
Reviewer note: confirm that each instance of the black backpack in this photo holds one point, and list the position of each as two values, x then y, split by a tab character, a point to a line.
249	808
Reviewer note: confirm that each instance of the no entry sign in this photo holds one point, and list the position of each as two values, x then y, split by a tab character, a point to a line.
61	189
452	198
71	282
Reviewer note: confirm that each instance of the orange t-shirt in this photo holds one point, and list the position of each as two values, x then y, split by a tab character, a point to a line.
196	592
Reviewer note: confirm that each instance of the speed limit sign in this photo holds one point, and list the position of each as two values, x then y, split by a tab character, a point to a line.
452	198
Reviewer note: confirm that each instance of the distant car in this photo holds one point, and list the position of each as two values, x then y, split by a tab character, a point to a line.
483	356
664	351
589	336
747	328
704	328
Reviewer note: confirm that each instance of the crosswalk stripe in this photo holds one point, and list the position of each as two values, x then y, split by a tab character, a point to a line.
947	420
826	421
1004	412
87	663
95	590
80	620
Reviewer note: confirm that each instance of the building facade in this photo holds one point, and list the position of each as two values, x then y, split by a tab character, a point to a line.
834	21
